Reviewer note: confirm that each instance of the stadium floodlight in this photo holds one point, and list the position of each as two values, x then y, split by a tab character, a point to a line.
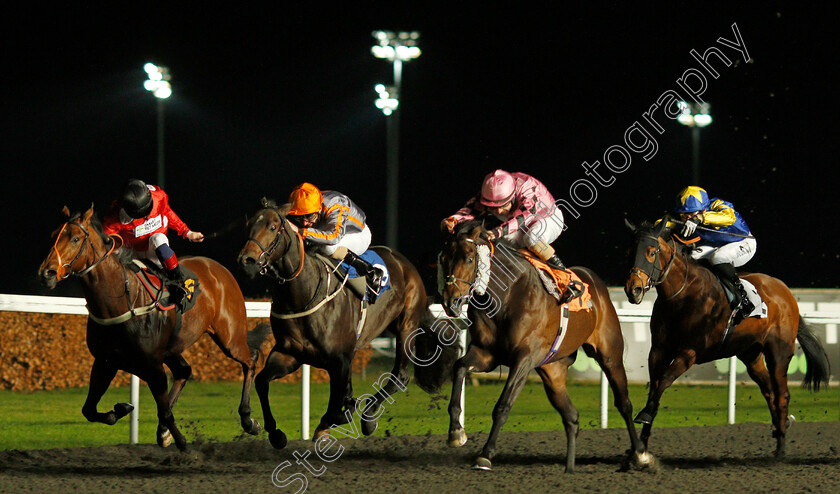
695	116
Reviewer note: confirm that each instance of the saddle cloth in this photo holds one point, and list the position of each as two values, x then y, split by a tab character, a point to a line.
556	281
760	308
377	262
151	277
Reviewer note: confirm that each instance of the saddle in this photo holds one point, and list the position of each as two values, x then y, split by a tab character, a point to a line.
358	284
154	280
556	282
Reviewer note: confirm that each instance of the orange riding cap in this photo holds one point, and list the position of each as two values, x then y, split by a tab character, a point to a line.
305	199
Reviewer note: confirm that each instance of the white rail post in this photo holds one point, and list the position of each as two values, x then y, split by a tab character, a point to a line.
732	371
304	401
135	414
605	386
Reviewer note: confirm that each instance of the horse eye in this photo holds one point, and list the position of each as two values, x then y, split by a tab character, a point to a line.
75	240
273	228
470	260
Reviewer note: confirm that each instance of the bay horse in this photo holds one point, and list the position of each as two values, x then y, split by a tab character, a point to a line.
518	325
689	322
315	319
127	331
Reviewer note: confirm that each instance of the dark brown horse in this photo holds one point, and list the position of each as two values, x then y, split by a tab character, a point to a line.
315	318
516	322
689	321
126	331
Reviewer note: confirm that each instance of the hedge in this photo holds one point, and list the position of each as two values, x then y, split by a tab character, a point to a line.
48	351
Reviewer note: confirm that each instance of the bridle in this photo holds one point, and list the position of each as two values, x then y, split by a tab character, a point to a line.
654	268
69	265
264	261
453	280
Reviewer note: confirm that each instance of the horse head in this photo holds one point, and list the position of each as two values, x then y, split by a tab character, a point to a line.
459	264
652	256
78	246
270	239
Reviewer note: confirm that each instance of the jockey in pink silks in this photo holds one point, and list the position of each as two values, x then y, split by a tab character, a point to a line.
524	206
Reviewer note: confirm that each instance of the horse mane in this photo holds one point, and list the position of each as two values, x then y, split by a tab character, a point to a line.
124	256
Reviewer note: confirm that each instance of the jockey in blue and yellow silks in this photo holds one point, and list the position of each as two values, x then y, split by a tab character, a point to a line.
725	240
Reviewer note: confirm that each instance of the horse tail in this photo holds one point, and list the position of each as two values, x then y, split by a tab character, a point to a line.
436	348
815	357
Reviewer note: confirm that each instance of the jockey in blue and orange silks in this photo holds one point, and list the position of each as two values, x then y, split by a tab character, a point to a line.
336	226
725	241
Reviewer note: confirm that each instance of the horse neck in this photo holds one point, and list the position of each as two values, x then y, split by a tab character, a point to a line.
301	289
107	288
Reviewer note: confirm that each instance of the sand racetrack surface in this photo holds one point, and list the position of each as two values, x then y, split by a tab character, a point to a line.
736	458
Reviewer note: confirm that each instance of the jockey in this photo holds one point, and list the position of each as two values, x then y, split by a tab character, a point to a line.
524	206
724	242
335	226
141	217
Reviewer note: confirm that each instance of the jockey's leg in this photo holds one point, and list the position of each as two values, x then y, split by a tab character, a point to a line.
167	257
728	275
724	261
353	245
538	234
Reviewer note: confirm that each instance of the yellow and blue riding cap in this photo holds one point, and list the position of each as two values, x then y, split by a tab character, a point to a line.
691	199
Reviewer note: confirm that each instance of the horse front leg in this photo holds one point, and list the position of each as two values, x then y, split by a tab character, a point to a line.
515	381
276	366
341	405
101	375
662	374
476	360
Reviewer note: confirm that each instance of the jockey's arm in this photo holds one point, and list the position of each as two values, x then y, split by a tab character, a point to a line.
718	215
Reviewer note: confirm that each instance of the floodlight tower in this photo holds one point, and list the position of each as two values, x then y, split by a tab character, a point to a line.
396	48
696	116
158	84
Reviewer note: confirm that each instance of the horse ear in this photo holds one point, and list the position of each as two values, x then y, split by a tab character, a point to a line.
65	211
630	225
263	202
86	217
663	223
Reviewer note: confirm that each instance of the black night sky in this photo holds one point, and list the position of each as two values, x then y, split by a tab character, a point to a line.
267	97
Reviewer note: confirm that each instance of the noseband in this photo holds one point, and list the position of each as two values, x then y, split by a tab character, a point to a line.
264	261
452	279
68	266
654	267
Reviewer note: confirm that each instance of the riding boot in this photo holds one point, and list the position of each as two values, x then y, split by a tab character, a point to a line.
177	290
555	263
740	305
373	275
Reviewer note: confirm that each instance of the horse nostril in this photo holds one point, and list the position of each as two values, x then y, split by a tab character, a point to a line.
247	260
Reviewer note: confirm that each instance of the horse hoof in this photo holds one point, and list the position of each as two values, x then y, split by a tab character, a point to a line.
165	439
369	427
482	463
457	438
643	418
278	439
320	433
122	409
253	427
642	461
